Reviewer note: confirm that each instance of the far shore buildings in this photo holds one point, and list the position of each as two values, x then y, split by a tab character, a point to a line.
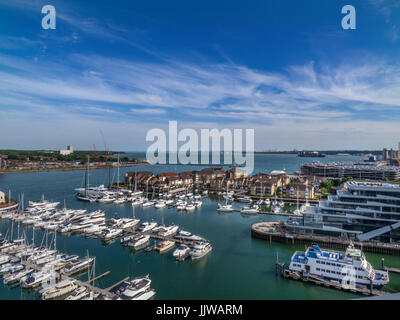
358	170
70	150
3	161
280	183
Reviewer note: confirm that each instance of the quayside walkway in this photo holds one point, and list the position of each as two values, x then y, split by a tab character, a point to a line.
270	231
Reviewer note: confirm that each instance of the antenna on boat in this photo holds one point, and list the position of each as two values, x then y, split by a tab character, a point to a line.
94	270
12	229
33	236
88	268
55	240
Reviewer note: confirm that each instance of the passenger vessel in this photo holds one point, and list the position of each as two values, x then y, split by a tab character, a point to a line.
348	268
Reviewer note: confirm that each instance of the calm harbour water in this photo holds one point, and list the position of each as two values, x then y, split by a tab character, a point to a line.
239	267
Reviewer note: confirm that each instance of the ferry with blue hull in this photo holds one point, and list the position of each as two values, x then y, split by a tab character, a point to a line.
349	268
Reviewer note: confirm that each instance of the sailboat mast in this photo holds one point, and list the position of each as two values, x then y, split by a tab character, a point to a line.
88	168
109	175
55	240
118	172
135	182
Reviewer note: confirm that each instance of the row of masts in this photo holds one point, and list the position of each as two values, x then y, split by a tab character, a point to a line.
87	183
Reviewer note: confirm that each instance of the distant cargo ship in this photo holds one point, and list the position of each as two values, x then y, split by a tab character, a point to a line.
311	154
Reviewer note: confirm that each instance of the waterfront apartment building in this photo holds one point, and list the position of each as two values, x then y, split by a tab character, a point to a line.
362	211
358	170
301	190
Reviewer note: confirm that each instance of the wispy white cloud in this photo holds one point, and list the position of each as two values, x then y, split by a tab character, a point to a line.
302	93
390	9
149	111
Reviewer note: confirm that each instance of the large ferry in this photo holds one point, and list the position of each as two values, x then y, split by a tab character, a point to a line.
349	268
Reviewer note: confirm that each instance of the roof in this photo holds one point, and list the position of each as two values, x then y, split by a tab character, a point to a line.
142	173
167	174
187	172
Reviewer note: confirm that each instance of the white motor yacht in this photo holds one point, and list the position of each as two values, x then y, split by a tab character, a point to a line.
200	250
249	210
60	289
108	234
36	279
4	259
244	199
198	203
120	201
147	226
225	207
148	204
75	267
78	294
106	199
168	231
181	253
139	242
129	290
160	204
15	277
96	228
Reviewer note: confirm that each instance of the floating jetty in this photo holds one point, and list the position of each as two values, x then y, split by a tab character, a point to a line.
60	275
271	213
269	231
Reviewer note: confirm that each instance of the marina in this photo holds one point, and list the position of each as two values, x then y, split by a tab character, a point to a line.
200	151
231	248
52	282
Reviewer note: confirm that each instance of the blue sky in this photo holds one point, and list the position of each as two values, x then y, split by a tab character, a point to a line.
285	68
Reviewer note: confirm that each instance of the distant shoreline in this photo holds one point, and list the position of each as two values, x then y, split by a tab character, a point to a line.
328	152
69	168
